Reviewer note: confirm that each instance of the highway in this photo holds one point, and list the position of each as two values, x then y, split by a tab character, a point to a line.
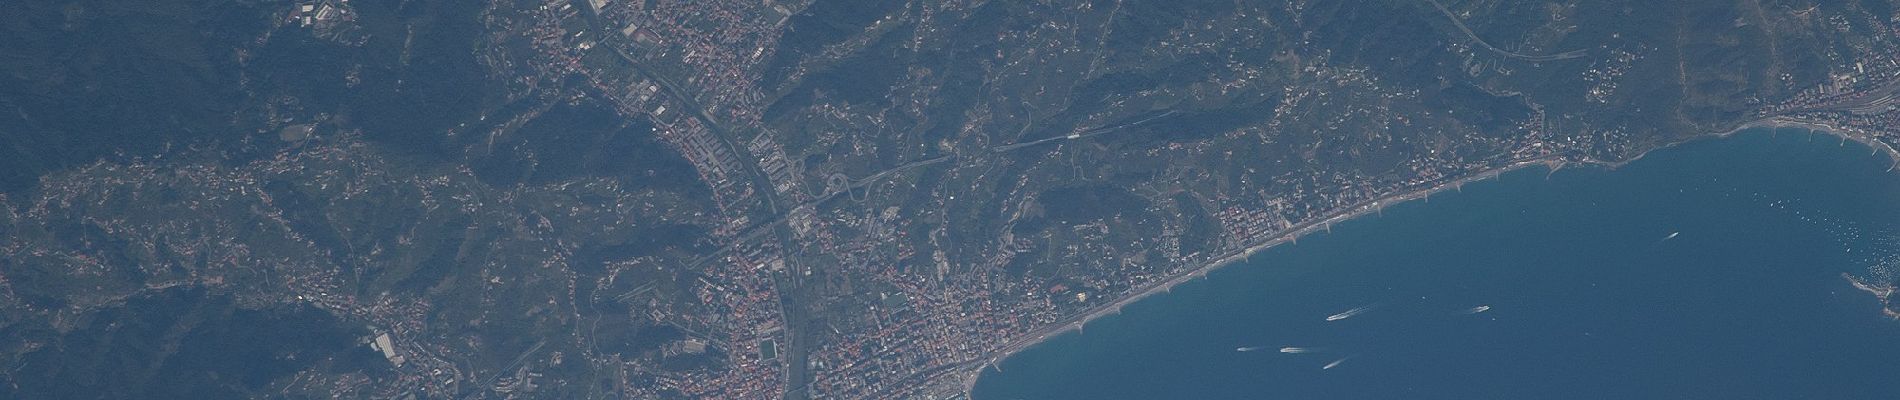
1474	37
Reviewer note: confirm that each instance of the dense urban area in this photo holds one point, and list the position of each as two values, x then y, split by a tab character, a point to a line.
778	199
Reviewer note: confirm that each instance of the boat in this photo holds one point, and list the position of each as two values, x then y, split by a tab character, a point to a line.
1336	363
1350	313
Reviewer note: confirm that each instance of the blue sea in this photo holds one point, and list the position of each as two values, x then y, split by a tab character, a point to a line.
1710	270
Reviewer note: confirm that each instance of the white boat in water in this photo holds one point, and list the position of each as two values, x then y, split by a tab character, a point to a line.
1351	313
1336	363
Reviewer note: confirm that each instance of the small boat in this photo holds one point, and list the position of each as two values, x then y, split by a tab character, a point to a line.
1351	313
1336	363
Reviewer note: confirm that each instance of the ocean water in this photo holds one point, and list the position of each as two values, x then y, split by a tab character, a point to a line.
1590	296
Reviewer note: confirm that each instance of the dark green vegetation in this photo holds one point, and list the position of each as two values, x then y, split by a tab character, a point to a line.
97	79
815	199
187	343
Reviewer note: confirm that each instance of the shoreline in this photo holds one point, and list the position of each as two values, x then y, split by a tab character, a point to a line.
1075	323
1552	161
1776	123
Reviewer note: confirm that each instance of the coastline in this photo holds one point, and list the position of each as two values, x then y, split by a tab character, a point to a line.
1552	161
1865	138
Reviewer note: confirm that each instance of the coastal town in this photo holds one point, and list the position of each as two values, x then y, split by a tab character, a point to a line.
831	200
908	323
